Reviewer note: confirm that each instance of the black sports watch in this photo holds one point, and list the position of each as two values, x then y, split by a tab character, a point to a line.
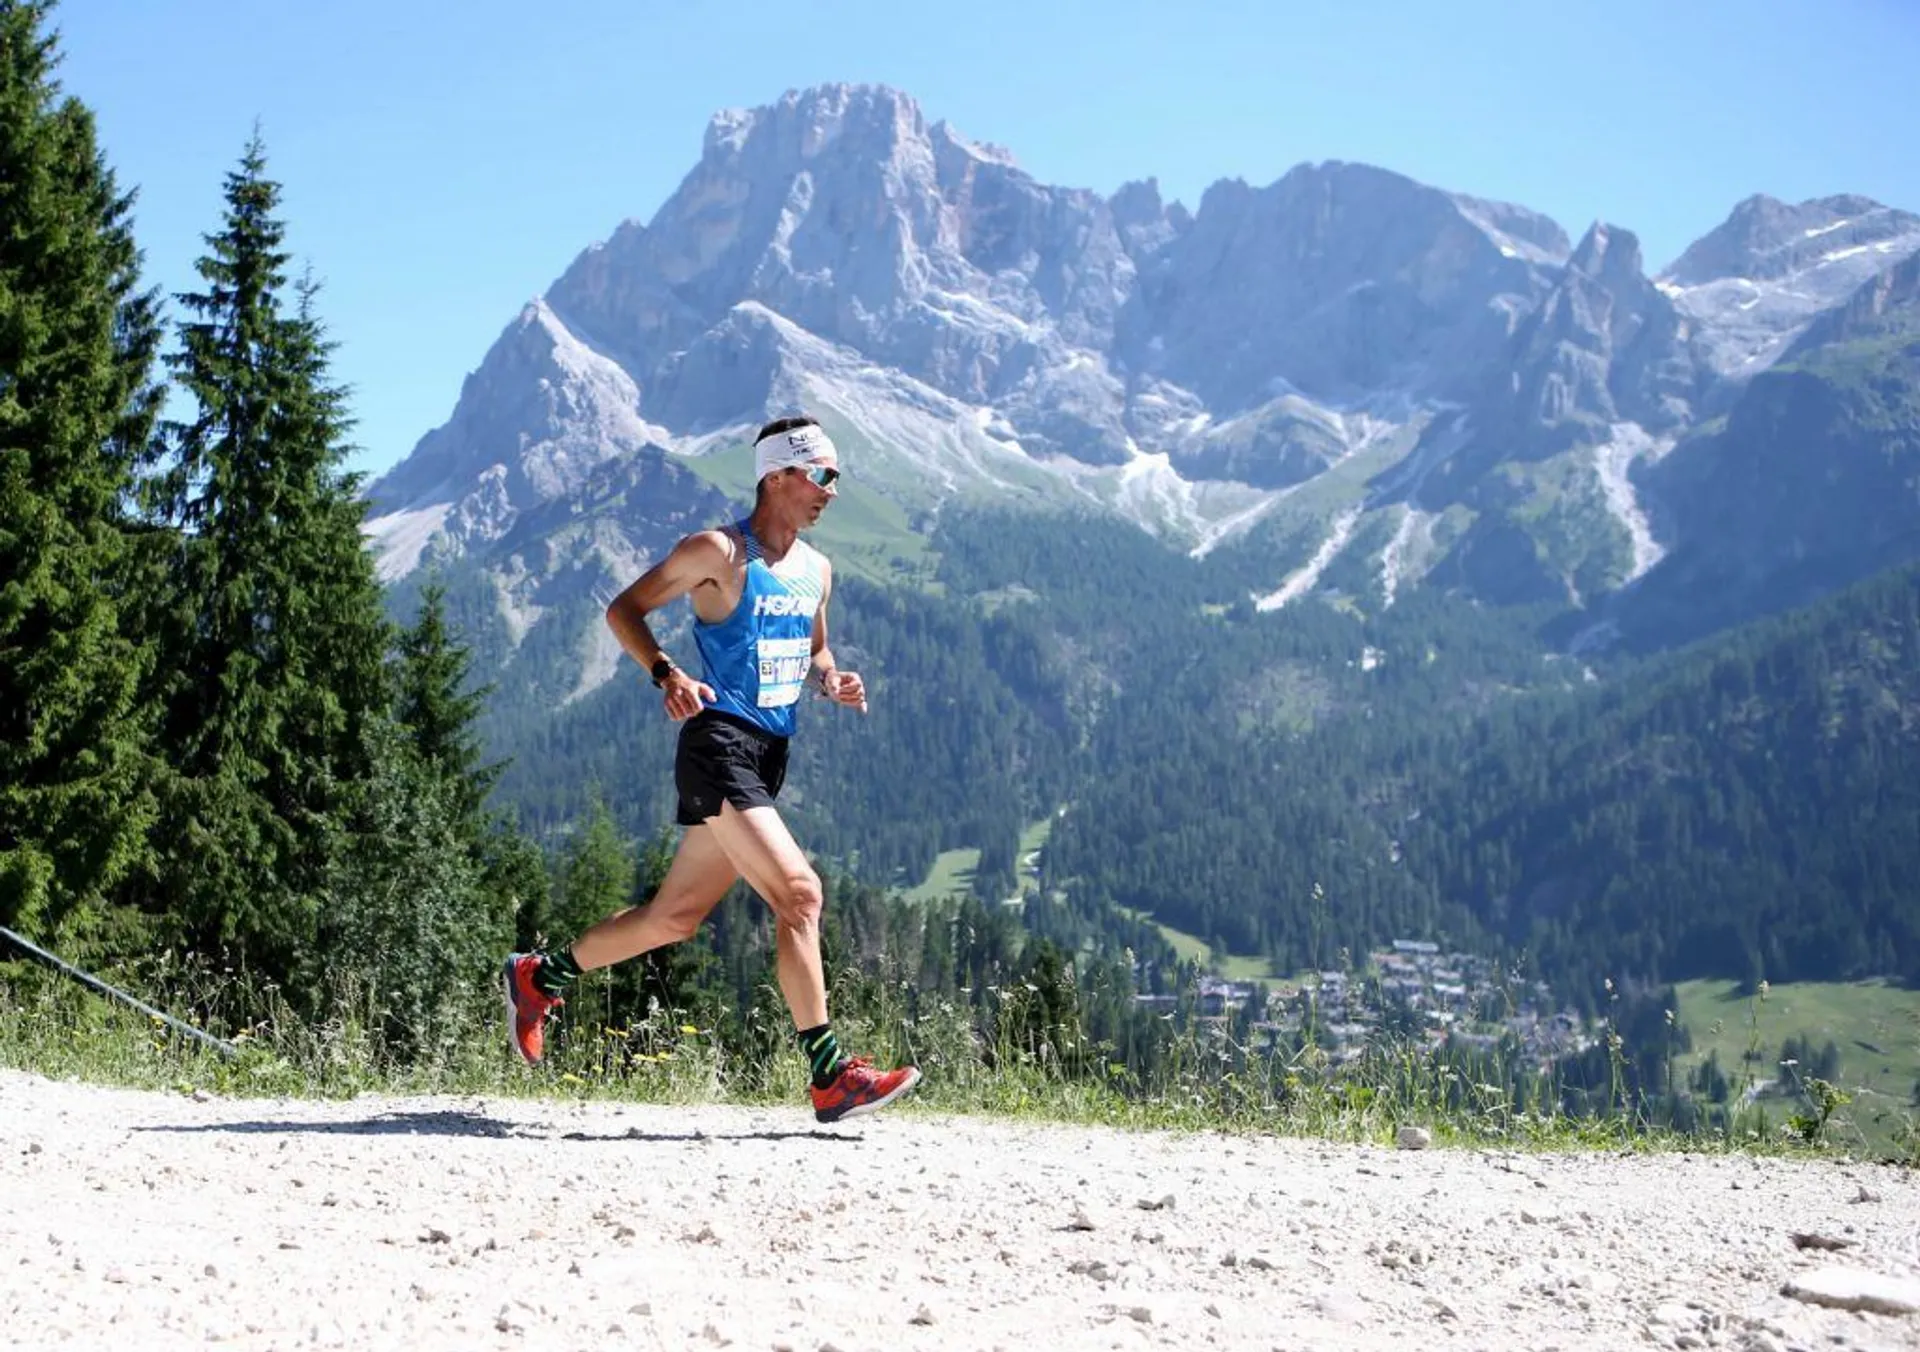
663	669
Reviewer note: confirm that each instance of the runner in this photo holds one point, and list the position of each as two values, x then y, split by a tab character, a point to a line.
759	595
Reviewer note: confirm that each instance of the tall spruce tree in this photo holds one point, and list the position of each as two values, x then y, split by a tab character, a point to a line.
424	889
274	637
436	707
77	400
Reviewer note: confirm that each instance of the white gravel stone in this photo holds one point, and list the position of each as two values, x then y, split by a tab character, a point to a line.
154	1221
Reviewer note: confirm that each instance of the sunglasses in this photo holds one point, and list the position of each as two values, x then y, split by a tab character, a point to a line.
820	476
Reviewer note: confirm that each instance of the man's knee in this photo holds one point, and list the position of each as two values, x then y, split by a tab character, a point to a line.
799	898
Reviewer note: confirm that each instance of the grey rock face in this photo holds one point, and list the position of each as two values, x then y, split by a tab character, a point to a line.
1605	346
968	329
1337	282
544	405
1751	285
1887	303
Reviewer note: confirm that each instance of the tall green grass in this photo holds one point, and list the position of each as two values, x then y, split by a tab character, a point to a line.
1000	1065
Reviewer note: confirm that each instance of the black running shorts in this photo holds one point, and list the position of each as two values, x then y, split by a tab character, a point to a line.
722	759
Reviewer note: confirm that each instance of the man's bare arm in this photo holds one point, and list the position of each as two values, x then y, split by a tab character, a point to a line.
822	654
842	687
700	558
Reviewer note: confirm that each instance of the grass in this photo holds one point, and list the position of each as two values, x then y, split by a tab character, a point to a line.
1027	862
1192	948
953	870
980	1060
1876	1027
951	875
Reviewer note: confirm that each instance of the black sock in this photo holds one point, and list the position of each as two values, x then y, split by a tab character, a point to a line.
556	972
823	1052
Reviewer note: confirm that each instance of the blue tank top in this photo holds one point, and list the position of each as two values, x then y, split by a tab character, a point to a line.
757	658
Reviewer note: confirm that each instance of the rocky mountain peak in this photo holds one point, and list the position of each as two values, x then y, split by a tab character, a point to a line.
1607	251
807	122
969	330
1765	238
1752	284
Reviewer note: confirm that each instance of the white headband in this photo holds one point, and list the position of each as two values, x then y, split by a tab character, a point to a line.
806	445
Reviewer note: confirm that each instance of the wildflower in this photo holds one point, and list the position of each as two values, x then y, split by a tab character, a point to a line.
689	1030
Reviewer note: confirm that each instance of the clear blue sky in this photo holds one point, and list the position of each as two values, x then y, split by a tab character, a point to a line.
443	162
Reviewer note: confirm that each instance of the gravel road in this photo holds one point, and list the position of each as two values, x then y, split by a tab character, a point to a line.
156	1220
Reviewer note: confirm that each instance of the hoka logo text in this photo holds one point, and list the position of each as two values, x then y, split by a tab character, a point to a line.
785	605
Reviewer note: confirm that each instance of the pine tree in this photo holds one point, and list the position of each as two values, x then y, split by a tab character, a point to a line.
437	709
77	345
273	634
411	934
598	874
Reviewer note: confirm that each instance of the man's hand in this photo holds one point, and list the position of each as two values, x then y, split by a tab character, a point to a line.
685	696
844	687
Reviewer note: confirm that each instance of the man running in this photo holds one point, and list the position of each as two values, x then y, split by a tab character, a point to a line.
759	596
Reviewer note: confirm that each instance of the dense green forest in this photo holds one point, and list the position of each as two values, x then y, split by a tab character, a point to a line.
1745	807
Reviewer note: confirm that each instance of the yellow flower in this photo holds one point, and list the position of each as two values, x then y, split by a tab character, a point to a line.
689	1030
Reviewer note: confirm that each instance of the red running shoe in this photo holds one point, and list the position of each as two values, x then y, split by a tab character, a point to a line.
527	1006
859	1088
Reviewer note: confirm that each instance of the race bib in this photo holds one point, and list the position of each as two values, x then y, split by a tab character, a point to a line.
783	670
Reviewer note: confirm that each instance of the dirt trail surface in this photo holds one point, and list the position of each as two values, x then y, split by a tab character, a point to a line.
152	1221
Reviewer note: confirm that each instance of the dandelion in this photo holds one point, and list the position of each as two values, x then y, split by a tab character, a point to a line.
689	1030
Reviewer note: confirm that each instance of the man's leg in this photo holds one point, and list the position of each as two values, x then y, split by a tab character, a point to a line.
761	847
536	982
697	879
